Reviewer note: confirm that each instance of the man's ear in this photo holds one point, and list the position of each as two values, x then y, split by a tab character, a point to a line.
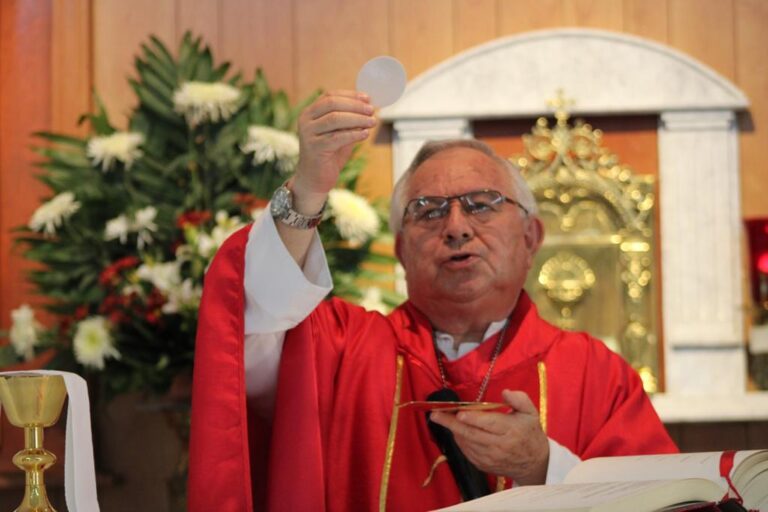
534	234
398	247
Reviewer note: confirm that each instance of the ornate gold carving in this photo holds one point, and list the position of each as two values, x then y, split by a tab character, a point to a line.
599	219
566	277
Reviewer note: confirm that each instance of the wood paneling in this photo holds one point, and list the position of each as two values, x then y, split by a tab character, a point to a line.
334	38
604	14
474	22
422	33
25	92
704	29
524	15
71	67
752	78
118	29
646	18
201	17
259	33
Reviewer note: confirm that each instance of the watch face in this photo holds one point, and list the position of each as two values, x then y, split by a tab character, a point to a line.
281	202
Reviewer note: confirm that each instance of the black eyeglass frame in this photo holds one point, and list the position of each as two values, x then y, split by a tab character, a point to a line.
464	200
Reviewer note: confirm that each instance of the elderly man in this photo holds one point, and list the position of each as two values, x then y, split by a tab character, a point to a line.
304	404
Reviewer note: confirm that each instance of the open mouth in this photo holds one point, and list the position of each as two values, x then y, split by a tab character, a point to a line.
460	257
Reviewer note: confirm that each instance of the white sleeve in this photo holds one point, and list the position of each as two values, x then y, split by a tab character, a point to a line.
278	296
561	461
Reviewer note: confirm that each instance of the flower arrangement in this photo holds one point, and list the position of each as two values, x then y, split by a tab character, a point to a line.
135	217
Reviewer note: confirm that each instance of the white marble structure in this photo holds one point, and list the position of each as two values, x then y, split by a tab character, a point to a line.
610	73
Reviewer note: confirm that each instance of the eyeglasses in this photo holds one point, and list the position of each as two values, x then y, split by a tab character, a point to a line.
478	203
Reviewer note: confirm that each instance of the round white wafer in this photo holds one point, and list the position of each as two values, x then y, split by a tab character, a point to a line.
383	79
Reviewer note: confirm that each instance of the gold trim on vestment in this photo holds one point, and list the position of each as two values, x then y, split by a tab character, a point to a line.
439	460
542	367
391	438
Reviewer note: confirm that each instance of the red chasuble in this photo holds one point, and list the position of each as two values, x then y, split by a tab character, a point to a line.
334	444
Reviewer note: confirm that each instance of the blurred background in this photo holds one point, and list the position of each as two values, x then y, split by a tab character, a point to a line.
55	53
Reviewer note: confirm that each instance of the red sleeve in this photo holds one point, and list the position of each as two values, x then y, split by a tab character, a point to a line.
219	466
598	405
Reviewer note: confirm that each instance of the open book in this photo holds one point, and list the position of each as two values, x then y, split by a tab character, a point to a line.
642	483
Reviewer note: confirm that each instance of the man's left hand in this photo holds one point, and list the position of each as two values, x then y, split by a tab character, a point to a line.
512	444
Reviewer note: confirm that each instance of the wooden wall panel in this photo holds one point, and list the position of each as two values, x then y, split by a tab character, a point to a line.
201	17
71	66
646	18
422	33
704	29
24	107
603	14
334	38
260	33
524	15
474	22
118	29
752	77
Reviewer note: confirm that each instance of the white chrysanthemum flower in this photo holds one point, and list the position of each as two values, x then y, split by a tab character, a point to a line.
225	227
24	330
120	146
144	225
187	295
372	301
117	228
206	247
354	217
50	215
132	289
272	145
93	342
163	276
199	102
209	243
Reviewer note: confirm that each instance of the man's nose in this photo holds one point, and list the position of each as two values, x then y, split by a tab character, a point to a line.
457	227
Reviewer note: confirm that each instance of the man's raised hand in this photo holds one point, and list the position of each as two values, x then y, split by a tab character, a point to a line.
328	130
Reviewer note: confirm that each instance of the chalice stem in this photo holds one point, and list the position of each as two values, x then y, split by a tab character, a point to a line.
34	460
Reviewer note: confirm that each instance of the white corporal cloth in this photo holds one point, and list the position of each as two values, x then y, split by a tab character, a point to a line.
79	472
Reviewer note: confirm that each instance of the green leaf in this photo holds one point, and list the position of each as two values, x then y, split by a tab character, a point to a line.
58	138
8	356
162	52
167	73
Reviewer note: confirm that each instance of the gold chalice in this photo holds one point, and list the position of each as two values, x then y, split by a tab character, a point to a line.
33	402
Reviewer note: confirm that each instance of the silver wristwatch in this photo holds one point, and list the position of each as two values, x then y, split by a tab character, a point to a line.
281	208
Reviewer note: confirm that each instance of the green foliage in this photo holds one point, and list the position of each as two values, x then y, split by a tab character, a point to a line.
200	186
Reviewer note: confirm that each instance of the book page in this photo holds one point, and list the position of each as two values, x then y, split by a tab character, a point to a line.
636	496
649	467
664	467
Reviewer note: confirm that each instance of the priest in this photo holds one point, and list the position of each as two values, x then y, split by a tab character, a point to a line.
301	403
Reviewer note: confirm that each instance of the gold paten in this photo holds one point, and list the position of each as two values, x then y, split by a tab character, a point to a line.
33	402
596	269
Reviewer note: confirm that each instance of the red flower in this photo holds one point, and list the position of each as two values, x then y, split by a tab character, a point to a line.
249	202
153	317
118	317
193	218
109	276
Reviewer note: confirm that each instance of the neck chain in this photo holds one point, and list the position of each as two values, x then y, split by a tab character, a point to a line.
487	378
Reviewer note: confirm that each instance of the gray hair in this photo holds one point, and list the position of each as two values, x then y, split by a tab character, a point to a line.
430	149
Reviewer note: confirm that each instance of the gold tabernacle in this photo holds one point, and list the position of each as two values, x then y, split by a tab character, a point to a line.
596	271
